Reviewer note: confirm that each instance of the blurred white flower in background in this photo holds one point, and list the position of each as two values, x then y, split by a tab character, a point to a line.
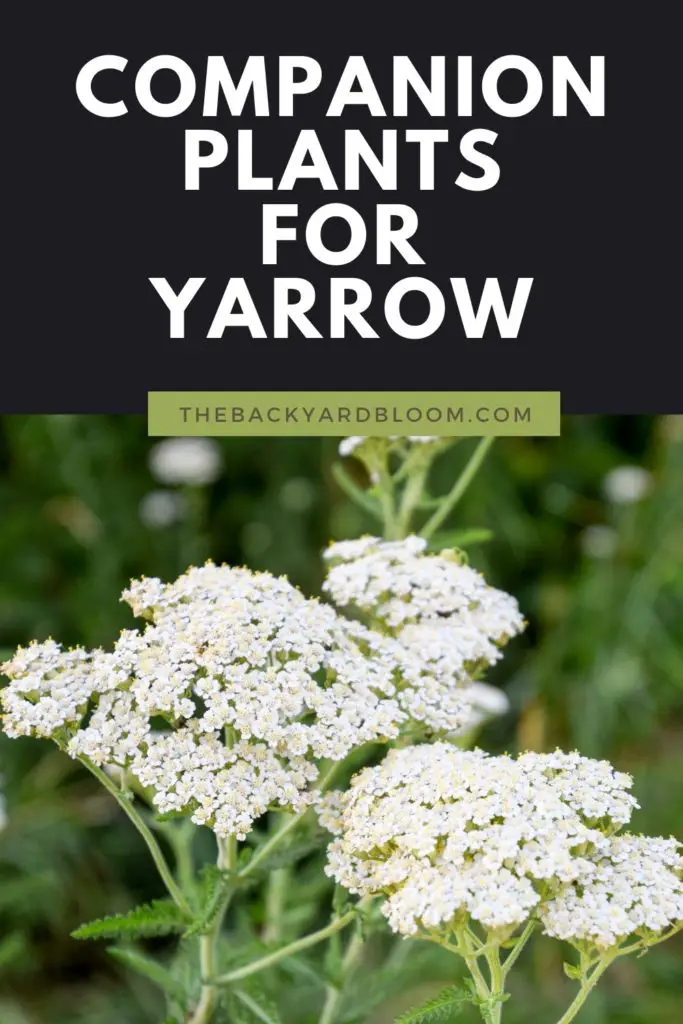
186	460
485	702
599	541
159	509
488	701
3	812
627	484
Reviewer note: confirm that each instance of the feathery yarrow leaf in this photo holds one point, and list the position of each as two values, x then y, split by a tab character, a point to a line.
160	917
441	1008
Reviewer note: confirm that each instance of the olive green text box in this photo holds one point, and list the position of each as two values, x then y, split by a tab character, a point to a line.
363	413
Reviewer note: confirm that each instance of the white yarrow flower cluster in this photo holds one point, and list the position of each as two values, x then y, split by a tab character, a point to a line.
253	683
50	687
350	445
443	611
357	655
635	888
444	834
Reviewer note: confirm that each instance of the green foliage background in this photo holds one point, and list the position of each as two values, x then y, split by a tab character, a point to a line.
600	668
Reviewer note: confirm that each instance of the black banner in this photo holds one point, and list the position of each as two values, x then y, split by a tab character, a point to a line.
576	229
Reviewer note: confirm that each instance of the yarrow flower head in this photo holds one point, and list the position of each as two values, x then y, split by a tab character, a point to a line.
352	445
636	889
446	834
225	703
439	608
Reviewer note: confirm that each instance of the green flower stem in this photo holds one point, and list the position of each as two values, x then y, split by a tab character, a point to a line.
353	491
180	836
290	822
587	986
497	985
145	831
298	946
514	955
335	992
468	953
227	857
207	1000
642	946
387	504
276	890
251	1004
270	844
491	994
396	515
410	499
459	488
275	901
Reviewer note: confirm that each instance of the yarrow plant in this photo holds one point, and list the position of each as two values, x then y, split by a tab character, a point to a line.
238	706
440	609
474	852
255	685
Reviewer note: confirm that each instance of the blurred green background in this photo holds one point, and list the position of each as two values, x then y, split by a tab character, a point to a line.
588	534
